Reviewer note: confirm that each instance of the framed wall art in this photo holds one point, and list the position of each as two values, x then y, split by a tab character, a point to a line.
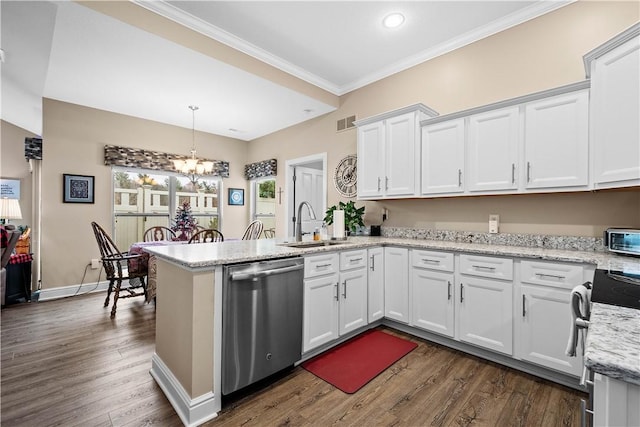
236	197
78	188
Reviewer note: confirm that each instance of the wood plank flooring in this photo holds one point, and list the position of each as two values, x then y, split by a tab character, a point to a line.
66	363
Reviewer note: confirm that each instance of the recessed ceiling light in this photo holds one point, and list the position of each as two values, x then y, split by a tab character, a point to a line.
393	20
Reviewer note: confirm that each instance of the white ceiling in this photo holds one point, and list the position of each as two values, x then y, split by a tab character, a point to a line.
65	51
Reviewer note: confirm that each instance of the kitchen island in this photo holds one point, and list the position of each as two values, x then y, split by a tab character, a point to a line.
186	363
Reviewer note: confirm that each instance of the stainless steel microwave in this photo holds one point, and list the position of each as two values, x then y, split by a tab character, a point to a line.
623	241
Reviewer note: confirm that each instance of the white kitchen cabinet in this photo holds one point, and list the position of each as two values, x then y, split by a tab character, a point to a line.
353	290
389	153
396	284
320	324
432	297
615	107
376	284
544	317
492	150
485	303
556	142
615	402
443	157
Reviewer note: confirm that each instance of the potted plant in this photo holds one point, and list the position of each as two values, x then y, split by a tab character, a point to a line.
352	215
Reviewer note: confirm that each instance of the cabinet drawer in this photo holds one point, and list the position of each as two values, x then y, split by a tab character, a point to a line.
353	259
320	265
484	266
433	260
551	274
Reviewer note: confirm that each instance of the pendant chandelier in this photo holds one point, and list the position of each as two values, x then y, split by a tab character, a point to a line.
193	166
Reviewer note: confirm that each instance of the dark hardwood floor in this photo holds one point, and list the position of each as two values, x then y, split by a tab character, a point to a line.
66	363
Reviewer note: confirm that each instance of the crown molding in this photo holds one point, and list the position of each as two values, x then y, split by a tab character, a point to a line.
172	13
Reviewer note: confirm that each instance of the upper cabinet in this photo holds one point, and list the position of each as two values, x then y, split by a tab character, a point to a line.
614	69
443	157
389	153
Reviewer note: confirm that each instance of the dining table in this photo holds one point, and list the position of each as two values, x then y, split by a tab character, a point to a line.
148	261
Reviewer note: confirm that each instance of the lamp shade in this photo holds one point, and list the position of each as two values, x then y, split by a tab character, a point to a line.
10	209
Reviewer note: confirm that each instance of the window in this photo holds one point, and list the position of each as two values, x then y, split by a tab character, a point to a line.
143	199
263	204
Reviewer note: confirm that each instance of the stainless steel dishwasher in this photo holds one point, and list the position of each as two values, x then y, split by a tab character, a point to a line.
261	320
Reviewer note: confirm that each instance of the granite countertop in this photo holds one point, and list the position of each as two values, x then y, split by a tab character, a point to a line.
613	339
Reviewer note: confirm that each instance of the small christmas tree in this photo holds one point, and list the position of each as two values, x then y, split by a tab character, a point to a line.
185	224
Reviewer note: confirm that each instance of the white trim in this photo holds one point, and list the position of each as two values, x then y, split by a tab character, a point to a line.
192	412
171	12
301	161
73	290
398	112
608	46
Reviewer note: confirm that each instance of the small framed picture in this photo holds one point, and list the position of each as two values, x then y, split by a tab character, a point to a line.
236	197
78	188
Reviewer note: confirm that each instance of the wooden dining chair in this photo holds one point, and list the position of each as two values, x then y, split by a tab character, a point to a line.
253	230
208	235
158	233
269	233
120	266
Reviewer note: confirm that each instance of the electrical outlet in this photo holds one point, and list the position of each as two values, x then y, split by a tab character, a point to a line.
494	223
95	264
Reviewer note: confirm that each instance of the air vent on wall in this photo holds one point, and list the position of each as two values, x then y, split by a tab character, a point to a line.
346	123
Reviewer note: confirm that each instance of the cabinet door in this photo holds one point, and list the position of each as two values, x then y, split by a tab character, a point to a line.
400	152
353	300
545	317
615	402
320	311
615	108
556	141
443	157
375	285
485	310
432	300
493	150
371	160
396	284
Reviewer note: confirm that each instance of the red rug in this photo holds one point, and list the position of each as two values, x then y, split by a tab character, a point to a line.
354	363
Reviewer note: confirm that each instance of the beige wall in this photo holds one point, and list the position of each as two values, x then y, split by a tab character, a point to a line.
74	139
541	54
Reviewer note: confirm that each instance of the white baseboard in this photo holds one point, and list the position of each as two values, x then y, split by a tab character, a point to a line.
192	412
69	291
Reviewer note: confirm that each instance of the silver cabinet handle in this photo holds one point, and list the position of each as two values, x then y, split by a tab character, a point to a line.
528	172
378	183
429	260
461	295
386	183
583	413
513	173
459	177
355	259
448	291
484	267
555	276
323	265
373	263
524	309
345	289
337	292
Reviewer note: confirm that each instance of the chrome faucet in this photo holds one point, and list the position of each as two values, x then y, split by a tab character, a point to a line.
312	214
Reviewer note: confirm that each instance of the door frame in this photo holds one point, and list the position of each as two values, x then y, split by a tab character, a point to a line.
288	187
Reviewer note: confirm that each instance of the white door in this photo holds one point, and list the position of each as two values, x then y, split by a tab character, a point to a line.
400	154
370	160
353	300
493	150
443	157
396	284
556	141
376	284
320	311
432	300
485	313
545	315
615	108
309	182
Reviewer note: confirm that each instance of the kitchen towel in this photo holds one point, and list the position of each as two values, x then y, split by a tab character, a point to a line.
580	301
338	224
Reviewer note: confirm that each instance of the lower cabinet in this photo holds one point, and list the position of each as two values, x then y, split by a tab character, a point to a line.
375	286
615	402
396	284
485	303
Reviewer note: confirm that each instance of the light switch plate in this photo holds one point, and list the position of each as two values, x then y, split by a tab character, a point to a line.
494	223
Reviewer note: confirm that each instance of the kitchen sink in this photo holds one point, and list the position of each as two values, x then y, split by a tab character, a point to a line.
313	244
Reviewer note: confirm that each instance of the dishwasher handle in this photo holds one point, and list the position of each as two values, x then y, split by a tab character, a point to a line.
264	273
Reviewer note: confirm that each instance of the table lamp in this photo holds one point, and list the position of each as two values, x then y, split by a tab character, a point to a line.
9	209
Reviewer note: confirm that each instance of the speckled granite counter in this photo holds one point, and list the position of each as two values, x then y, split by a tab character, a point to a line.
613	341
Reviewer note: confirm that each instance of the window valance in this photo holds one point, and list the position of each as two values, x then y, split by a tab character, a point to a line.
261	169
154	160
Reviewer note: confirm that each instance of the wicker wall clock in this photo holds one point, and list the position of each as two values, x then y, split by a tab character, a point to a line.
345	177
